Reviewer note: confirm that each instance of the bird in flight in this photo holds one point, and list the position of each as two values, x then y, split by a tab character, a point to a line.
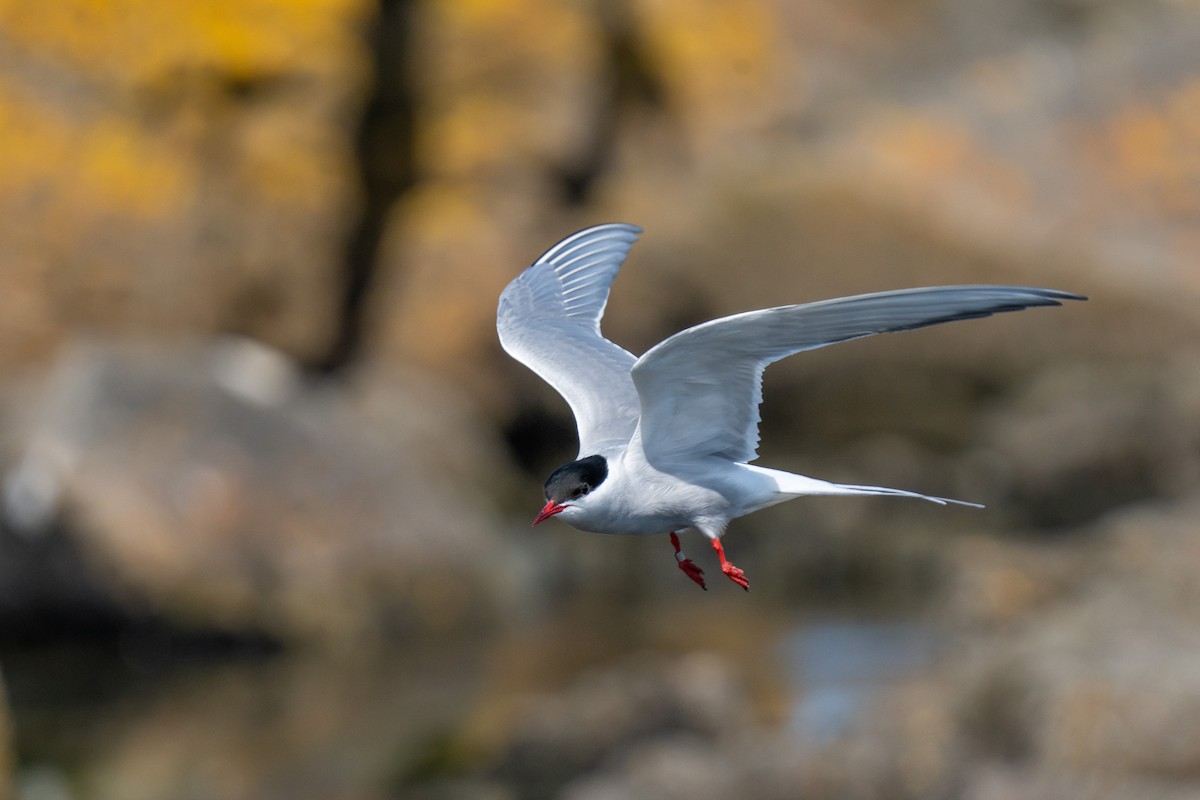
666	440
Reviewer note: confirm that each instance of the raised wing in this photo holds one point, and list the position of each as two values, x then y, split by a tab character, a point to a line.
700	389
549	320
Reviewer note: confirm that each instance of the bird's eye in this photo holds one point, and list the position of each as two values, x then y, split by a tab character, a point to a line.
580	492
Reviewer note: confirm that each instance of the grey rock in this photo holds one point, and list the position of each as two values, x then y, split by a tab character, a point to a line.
209	483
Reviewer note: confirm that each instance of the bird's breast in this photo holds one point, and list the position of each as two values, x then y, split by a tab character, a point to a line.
647	502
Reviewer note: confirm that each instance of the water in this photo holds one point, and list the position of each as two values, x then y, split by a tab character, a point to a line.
95	722
838	667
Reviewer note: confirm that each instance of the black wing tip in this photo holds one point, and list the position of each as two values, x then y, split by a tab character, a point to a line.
1018	293
1041	297
1052	296
1014	298
1035	298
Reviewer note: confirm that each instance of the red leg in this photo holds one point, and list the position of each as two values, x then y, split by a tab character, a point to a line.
689	568
735	574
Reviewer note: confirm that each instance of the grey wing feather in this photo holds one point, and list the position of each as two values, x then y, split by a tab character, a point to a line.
549	320
700	389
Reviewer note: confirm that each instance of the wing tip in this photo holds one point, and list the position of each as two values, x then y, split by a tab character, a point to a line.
622	232
1052	297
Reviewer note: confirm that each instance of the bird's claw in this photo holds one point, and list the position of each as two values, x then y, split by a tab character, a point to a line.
692	571
686	564
735	575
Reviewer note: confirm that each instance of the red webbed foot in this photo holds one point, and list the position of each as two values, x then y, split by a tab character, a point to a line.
733	573
686	564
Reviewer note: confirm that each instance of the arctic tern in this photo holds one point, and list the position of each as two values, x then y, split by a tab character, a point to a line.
665	440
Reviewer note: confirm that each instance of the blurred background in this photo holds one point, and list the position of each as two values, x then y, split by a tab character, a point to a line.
266	477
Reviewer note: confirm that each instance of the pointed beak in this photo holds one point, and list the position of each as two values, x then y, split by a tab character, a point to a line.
551	508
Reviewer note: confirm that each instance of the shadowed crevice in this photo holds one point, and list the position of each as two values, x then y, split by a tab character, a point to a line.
384	147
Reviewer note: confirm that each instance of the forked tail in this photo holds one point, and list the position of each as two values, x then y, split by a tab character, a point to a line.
792	485
850	488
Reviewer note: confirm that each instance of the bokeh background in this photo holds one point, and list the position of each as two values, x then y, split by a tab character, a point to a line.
267	477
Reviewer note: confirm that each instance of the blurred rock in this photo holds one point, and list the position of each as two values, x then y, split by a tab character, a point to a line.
994	581
1152	553
1087	438
315	726
677	766
460	789
1104	681
208	483
636	730
614	711
1015	783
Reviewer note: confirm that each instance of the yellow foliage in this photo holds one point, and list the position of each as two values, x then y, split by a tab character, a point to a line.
502	78
118	166
442	272
103	156
521	78
29	137
289	162
128	125
110	164
500	29
720	57
488	14
470	134
138	39
491	40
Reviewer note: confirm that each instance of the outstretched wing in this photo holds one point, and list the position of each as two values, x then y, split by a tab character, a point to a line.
700	389
549	320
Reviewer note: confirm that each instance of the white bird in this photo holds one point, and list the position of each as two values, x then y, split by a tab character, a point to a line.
665	440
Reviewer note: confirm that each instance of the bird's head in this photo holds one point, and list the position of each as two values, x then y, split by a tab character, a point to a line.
568	486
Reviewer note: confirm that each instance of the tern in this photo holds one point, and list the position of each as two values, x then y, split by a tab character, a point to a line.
665	440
